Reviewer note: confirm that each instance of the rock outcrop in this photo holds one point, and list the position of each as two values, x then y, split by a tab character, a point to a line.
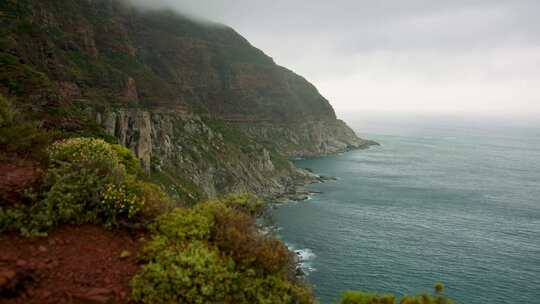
183	150
308	138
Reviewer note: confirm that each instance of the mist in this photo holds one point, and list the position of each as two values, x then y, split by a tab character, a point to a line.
419	57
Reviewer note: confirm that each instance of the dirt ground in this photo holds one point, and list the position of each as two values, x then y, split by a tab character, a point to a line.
74	264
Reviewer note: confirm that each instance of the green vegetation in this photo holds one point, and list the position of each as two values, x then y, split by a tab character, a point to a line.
179	187
233	135
355	297
6	113
19	136
213	253
20	79
87	181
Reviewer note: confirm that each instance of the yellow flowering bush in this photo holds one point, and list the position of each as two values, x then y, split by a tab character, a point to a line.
82	151
89	181
120	199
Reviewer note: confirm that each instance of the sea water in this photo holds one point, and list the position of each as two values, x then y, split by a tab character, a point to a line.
457	203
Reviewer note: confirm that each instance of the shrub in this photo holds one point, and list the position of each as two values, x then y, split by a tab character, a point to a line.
87	182
245	202
357	297
214	253
183	225
6	113
84	178
236	234
82	152
194	274
20	136
156	201
128	159
271	289
439	288
121	199
13	218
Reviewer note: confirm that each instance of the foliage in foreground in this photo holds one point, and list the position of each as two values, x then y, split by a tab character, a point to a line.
213	253
356	297
87	181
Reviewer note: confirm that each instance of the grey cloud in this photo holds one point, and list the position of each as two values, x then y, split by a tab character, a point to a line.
437	55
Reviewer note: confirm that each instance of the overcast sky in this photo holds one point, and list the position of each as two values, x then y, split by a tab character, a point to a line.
405	56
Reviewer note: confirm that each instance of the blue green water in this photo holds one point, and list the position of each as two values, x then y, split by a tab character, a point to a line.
454	204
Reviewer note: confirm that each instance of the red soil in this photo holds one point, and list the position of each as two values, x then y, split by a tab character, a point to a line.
74	264
15	178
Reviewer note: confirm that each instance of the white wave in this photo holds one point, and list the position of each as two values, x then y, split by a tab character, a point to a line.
305	254
305	259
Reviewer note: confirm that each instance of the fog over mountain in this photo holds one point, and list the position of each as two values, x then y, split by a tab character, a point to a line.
476	57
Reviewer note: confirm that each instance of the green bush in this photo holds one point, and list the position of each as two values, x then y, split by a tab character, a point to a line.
251	268
176	228
128	159
124	198
193	274
236	234
19	136
245	202
156	201
6	113
87	182
272	289
357	297
83	179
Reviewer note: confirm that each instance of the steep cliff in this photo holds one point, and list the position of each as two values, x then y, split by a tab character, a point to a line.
200	106
198	158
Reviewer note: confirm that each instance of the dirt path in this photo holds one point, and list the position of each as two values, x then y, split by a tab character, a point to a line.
74	264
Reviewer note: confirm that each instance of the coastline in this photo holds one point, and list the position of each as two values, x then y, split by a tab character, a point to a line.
296	189
297	192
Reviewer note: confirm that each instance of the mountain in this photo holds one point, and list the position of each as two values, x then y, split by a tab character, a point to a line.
204	110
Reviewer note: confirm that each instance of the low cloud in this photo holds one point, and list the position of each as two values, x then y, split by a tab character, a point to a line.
462	56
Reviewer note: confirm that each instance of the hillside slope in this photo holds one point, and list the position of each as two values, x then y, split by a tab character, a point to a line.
204	110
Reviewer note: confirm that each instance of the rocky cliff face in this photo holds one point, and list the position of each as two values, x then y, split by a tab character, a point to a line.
193	158
201	107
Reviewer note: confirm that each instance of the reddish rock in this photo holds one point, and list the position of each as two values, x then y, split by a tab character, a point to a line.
68	90
130	92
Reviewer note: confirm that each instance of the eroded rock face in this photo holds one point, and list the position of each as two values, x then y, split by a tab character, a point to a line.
184	146
133	129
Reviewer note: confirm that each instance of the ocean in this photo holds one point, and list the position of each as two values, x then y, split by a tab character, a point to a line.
450	201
